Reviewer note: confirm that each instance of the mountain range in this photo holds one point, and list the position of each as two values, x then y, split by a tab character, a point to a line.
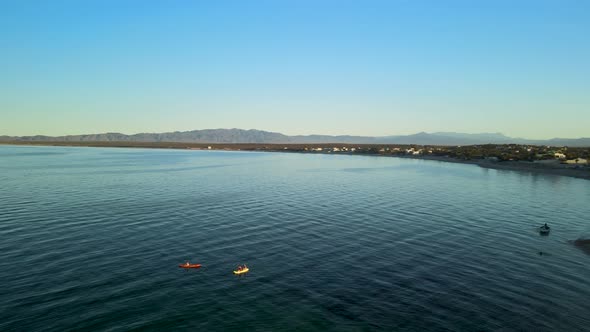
259	136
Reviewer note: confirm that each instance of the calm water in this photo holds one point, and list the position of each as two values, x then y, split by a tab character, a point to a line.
91	239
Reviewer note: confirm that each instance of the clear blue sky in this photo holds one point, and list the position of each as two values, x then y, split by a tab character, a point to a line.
298	67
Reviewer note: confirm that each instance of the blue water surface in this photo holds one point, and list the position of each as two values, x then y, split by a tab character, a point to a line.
91	239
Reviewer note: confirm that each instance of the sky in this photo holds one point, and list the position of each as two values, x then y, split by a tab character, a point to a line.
367	67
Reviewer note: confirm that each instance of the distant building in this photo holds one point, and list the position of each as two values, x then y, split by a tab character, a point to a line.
559	155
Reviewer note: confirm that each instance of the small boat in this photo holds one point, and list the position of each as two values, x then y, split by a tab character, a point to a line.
189	266
240	271
544	230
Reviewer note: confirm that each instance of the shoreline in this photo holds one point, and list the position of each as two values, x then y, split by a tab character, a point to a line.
519	166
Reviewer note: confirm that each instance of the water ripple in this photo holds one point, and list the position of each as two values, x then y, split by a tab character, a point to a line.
334	242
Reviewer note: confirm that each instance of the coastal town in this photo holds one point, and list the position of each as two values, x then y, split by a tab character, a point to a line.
492	152
575	157
550	160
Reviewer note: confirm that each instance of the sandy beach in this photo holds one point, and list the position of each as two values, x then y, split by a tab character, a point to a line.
521	166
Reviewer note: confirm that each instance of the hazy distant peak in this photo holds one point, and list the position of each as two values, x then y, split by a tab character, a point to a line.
478	135
236	135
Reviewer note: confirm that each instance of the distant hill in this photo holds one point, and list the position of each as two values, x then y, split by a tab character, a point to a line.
259	136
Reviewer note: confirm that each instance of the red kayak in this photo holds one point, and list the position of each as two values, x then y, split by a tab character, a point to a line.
189	266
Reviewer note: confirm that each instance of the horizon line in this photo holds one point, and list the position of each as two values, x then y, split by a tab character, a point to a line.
295	135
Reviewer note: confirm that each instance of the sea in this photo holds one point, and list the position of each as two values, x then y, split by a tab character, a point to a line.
91	240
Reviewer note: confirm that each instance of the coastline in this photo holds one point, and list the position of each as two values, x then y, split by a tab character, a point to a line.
519	166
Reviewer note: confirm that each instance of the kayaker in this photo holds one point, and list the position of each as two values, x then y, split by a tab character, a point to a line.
187	263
